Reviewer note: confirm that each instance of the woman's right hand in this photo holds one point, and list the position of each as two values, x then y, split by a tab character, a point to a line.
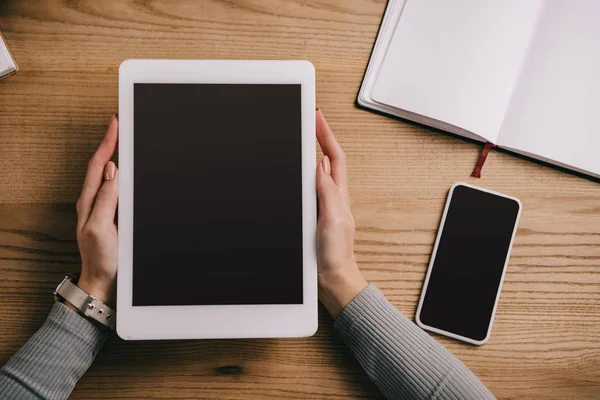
340	280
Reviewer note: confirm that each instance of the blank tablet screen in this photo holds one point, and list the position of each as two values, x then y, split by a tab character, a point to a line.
217	194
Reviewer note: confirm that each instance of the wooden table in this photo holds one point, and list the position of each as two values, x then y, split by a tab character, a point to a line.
546	337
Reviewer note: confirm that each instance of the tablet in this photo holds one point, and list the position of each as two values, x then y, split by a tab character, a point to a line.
217	208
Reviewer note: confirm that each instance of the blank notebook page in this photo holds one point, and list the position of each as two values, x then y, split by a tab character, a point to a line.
457	61
555	107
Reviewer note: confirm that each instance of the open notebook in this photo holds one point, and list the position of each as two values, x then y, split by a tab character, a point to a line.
7	63
524	75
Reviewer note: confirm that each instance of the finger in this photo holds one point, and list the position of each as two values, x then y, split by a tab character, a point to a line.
107	198
328	192
333	150
93	178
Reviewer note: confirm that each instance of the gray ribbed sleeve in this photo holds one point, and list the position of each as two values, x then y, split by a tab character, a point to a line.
400	358
49	365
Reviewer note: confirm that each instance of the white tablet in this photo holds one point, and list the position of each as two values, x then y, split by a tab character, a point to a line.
217	210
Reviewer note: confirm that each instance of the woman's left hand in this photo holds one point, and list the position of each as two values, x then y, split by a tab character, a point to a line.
96	229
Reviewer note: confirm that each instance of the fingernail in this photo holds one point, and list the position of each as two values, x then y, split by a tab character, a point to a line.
117	116
110	171
318	109
326	165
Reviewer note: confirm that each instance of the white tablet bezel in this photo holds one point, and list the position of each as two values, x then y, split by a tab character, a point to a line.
431	261
219	321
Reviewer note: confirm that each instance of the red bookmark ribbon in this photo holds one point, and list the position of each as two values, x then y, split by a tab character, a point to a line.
482	158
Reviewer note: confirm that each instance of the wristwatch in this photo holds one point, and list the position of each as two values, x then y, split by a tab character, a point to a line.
88	305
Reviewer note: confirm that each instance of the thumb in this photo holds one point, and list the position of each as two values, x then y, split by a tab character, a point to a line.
327	191
107	197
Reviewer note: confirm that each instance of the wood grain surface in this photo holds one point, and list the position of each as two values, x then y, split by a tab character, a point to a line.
546	337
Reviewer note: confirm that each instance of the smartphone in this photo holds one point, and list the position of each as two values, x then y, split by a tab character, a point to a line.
469	260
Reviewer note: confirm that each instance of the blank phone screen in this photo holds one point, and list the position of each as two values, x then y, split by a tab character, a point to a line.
217	194
469	262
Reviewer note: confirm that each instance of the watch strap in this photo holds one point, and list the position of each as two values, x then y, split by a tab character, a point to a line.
87	304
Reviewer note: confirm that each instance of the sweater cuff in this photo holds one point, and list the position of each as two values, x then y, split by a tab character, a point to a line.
77	325
368	299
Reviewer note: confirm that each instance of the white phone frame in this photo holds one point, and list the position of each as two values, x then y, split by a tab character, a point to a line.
216	321
432	259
